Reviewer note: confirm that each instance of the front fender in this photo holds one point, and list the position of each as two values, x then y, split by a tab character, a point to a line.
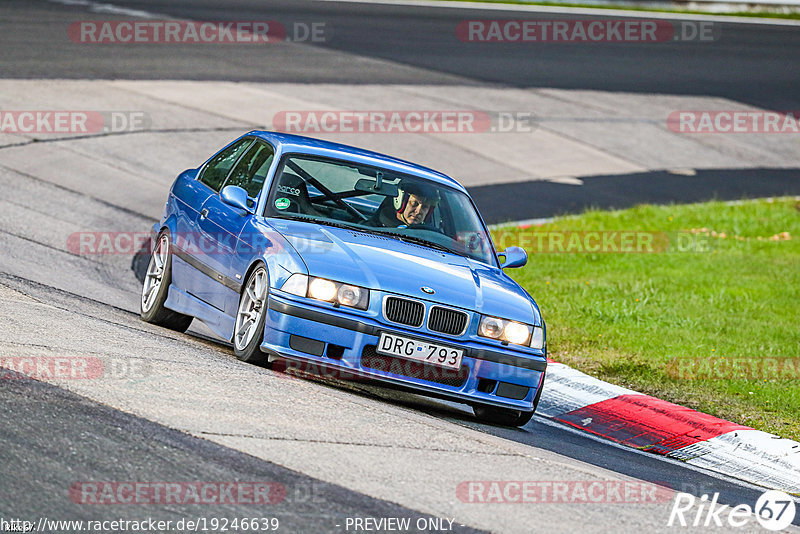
259	242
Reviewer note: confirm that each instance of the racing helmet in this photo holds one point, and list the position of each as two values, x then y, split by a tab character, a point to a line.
421	190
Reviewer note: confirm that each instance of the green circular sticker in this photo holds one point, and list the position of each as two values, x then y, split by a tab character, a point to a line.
282	203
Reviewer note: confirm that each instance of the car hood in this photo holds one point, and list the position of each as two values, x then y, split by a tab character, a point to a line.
390	265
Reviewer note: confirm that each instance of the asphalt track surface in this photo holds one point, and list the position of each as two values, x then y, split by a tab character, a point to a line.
752	64
52	437
500	203
382	44
124	447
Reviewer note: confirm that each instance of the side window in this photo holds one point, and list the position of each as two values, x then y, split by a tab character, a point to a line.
217	169
251	171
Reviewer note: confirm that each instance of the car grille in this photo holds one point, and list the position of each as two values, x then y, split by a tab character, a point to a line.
413	369
404	311
447	321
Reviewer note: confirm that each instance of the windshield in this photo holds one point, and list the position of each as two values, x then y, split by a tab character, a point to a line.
376	200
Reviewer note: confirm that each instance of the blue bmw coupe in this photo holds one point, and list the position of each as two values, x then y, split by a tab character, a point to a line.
329	256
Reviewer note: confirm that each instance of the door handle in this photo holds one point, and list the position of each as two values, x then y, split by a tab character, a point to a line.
203	213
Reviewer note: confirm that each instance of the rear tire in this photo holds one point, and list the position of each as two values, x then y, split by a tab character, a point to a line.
156	287
251	316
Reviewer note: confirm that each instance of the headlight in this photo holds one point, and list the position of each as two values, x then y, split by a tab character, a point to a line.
491	327
516	333
350	295
511	331
321	289
327	290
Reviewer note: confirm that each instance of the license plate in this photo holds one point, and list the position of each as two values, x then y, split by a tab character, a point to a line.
414	349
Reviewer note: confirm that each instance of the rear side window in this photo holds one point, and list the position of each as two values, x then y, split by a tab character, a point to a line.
217	169
251	171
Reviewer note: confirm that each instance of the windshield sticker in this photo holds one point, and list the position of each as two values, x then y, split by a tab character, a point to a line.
289	190
282	203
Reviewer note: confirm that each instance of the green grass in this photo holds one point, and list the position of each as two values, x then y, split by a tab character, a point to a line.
757	14
623	317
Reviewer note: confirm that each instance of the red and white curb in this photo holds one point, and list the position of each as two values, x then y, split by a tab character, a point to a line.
653	425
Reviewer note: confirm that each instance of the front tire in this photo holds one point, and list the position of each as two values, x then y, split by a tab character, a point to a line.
501	416
156	287
248	331
505	416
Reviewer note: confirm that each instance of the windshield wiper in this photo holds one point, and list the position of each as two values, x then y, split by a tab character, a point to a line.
326	222
419	241
402	237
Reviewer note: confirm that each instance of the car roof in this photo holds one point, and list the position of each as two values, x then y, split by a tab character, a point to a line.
288	143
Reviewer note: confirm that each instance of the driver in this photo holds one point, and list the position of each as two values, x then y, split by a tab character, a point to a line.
414	204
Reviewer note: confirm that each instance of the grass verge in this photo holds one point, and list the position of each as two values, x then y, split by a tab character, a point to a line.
710	320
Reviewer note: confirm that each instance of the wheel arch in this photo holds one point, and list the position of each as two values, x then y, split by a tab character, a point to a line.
253	266
170	224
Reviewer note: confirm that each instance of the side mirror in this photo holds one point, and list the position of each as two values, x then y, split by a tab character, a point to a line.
235	196
513	257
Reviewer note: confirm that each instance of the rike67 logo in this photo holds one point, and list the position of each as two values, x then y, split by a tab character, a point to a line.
774	510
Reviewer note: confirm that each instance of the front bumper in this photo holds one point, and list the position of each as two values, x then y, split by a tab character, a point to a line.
334	340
